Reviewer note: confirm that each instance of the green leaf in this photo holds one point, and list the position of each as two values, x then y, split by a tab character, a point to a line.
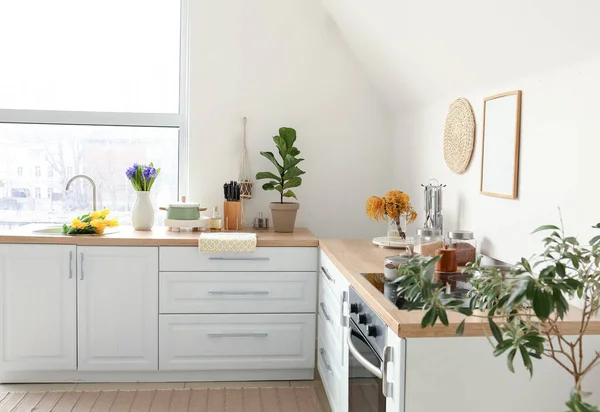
271	186
561	270
526	360
526	265
510	359
293	172
443	316
290	161
519	293
503	347
542	303
429	318
465	311
461	328
293	151
289	135
281	145
572	240
293	182
289	193
545	227
595	240
495	331
267	175
271	157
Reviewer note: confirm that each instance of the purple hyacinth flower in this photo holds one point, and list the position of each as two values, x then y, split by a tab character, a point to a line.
131	171
149	173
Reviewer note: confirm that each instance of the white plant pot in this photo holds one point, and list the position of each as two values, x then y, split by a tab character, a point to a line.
142	214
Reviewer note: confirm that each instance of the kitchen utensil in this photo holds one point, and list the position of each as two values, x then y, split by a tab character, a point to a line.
183	210
232	191
260	222
433	205
232	215
392	263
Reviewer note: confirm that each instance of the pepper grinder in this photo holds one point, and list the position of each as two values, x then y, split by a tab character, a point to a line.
447	262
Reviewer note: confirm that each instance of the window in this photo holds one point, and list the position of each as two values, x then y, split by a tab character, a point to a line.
92	104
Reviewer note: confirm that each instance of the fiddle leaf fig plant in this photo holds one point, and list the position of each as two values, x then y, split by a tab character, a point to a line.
288	173
523	307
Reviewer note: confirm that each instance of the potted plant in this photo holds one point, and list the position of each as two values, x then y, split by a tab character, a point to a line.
287	177
525	307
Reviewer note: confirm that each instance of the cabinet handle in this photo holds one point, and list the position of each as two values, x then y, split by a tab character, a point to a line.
343	318
239	335
232	258
386	386
70	265
328	367
238	292
327	274
324	310
81	258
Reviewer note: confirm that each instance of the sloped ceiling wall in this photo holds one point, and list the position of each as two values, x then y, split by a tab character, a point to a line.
417	51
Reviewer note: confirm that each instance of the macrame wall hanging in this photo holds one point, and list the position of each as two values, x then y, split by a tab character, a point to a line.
245	177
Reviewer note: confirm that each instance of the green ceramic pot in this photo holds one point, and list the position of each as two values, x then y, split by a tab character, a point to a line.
183	211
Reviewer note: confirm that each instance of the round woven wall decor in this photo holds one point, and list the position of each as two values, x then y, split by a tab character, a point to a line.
459	135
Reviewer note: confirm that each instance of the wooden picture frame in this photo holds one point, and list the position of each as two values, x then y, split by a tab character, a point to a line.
502	130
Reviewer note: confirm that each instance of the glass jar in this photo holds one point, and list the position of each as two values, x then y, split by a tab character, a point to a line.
465	244
428	240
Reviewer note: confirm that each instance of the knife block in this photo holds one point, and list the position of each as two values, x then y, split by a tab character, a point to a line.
232	215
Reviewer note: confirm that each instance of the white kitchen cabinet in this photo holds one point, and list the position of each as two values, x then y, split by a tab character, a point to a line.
118	308
396	372
37	308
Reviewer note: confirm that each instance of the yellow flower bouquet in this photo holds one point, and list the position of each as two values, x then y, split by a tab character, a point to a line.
92	223
392	206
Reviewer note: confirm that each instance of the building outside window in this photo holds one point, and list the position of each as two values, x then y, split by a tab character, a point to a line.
121	99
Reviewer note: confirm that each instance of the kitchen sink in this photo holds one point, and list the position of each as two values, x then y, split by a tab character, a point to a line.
57	230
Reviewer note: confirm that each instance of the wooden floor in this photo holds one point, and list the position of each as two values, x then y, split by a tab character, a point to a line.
285	391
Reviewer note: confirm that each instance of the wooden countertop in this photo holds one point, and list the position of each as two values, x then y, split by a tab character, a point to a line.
353	257
158	236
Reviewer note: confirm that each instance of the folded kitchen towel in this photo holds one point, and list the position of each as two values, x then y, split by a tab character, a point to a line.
227	242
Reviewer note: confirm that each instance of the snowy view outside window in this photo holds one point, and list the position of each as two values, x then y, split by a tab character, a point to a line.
92	87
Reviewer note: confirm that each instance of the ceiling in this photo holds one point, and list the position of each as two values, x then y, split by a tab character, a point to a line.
418	51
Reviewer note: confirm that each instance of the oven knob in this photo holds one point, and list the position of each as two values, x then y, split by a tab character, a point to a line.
362	318
354	308
372	331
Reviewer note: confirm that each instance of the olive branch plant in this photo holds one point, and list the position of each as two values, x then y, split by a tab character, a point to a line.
524	307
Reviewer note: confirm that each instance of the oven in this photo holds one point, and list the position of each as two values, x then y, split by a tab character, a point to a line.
369	358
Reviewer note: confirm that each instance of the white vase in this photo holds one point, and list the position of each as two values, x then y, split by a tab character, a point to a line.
142	214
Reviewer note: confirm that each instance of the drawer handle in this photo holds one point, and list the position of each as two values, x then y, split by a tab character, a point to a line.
238	335
324	310
233	258
238	292
324	357
327	275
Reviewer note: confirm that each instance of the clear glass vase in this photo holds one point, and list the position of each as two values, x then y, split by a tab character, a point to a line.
396	228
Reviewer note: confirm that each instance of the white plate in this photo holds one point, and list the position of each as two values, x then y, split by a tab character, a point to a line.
393	242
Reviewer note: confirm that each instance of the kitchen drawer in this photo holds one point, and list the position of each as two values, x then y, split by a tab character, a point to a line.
236	342
333	375
238	292
331	276
329	309
264	259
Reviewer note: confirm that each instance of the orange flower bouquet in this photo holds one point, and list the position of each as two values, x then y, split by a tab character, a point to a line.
393	206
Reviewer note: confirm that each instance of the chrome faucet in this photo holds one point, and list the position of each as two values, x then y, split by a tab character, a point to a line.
89	179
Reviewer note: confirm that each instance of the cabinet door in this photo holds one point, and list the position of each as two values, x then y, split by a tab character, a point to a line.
37	308
396	371
118	308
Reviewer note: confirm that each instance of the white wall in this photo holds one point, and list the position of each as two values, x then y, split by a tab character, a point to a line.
283	63
558	161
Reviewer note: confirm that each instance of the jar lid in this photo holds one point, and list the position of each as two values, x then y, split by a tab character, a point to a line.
461	235
426	231
184	205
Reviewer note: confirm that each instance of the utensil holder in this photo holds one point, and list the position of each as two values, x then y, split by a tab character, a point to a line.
232	215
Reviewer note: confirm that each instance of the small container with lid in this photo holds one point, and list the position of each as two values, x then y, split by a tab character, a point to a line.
428	240
465	244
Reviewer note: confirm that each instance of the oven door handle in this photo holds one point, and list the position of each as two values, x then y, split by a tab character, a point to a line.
360	358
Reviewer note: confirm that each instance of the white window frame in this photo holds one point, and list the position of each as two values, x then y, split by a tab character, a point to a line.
83	118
